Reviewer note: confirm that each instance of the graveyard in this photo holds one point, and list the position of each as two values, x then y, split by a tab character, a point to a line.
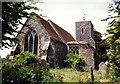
72	75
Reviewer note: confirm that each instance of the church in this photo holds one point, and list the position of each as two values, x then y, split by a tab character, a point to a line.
51	42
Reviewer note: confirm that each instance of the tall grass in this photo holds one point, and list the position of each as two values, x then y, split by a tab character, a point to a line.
72	75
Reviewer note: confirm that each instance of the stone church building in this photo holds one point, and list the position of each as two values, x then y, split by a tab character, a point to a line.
49	41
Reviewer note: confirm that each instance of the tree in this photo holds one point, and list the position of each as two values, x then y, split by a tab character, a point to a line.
25	68
12	14
113	33
101	46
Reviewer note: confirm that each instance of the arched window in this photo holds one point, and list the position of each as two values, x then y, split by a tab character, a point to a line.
26	43
31	42
36	44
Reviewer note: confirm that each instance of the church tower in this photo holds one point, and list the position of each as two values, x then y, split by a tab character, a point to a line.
84	32
85	38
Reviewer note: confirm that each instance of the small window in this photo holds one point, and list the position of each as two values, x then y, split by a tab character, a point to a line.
82	31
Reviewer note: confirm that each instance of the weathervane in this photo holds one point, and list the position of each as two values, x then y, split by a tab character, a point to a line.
83	17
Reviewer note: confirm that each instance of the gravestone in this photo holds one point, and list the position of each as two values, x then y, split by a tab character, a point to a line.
103	67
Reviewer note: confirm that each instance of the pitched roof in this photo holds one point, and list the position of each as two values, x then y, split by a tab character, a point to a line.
64	35
55	31
49	29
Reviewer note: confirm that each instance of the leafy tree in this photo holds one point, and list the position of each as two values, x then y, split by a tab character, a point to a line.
101	46
113	33
12	14
25	68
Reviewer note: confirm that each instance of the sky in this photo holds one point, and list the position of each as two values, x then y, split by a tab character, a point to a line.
66	12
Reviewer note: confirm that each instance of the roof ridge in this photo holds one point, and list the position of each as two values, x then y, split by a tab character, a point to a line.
50	22
46	29
59	26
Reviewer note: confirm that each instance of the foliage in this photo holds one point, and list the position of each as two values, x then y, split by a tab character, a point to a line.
25	69
113	33
76	61
114	73
101	46
12	14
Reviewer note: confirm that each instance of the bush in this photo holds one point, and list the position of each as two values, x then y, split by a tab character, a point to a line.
114	73
76	61
25	69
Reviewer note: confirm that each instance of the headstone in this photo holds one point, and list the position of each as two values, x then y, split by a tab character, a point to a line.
102	67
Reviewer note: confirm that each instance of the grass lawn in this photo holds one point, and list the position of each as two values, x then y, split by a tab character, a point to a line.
72	75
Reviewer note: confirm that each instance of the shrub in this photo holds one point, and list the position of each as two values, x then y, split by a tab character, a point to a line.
25	69
76	61
114	73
